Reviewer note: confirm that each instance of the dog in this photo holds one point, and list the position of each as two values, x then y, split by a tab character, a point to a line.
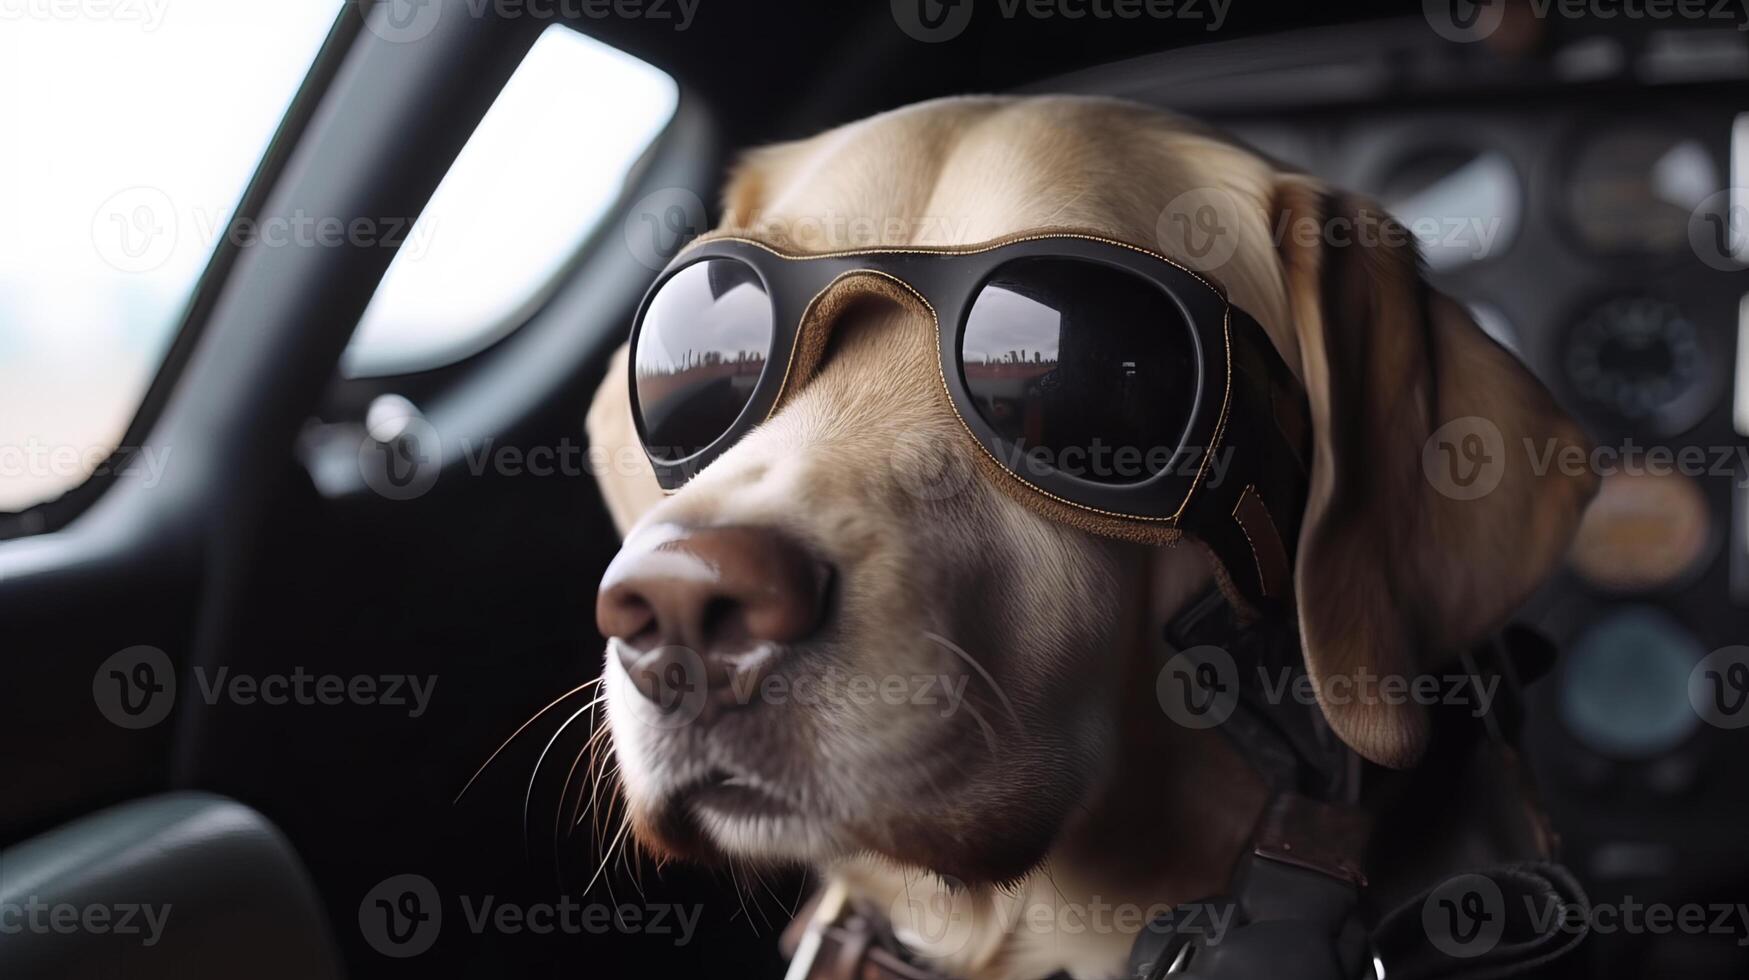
854	520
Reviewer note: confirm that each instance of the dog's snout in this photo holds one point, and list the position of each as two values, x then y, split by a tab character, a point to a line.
726	594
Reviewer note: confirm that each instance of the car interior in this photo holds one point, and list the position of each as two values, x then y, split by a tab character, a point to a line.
419	515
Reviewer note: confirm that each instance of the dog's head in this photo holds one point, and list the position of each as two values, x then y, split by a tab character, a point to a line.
888	652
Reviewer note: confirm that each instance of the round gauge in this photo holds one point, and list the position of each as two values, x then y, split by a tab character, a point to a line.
1624	685
1632	190
1642	531
1641	361
1462	204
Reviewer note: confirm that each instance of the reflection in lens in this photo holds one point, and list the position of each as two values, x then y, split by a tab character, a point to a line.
1084	368
701	350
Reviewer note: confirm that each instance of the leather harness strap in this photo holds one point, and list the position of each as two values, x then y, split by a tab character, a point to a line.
1247	514
1321	837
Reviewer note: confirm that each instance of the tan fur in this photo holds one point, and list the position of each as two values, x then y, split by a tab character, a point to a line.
1069	783
628	483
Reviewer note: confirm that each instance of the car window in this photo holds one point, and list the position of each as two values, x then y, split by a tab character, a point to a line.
131	131
535	178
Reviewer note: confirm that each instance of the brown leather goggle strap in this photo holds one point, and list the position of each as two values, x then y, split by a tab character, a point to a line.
1247	511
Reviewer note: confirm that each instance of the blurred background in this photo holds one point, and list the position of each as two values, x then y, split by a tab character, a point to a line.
301	305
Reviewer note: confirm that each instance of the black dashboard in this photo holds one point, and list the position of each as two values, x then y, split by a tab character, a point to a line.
1581	189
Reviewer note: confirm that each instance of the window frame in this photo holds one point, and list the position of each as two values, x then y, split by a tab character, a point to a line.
687	152
56	513
513	319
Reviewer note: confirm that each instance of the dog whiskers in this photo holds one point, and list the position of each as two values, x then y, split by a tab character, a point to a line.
600	762
637	868
1052	878
603	774
978	668
735	883
632	847
590	749
565	795
624	827
767	889
520	729
528	796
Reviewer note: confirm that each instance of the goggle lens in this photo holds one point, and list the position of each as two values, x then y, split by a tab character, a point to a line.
701	349
1081	368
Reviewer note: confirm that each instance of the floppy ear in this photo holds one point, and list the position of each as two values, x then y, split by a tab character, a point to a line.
622	471
1433	509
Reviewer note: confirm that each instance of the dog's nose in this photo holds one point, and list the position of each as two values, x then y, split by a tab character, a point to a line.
725	595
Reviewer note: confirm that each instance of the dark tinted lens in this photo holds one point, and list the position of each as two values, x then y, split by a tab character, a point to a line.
700	352
1087	369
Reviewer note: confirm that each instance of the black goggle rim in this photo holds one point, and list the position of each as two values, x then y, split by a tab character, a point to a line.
947	280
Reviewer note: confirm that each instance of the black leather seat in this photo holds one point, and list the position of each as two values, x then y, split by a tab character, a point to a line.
184	886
